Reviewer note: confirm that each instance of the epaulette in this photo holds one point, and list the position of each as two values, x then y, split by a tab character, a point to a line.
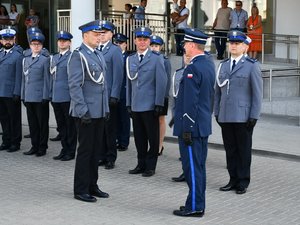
156	53
132	53
166	57
77	49
18	48
45	52
27	52
251	60
179	69
225	60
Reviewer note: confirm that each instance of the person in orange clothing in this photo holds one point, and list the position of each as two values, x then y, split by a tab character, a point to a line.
254	28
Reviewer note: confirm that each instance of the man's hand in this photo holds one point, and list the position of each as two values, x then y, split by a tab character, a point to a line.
113	101
187	138
158	110
251	123
16	98
129	111
86	119
217	120
45	101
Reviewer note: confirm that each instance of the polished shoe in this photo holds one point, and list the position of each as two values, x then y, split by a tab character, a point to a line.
4	147
13	148
121	148
67	157
227	187
32	151
85	198
181	178
59	157
27	136
188	214
102	162
240	190
40	153
98	193
57	138
181	208
161	151
148	173
110	165
136	170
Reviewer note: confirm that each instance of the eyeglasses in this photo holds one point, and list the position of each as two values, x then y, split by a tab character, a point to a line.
36	44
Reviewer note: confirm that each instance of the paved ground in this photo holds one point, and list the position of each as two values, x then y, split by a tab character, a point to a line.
38	191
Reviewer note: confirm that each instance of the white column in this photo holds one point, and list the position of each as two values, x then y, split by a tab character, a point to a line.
81	12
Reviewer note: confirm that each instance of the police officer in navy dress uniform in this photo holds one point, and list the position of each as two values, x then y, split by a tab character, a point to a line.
89	106
145	94
60	97
237	106
36	93
123	131
10	91
192	122
114	78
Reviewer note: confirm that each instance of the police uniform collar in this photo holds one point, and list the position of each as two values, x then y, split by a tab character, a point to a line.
64	52
88	47
104	45
237	59
196	56
143	53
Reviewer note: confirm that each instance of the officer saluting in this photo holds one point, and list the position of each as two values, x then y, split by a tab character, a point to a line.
192	123
10	90
60	96
89	106
146	89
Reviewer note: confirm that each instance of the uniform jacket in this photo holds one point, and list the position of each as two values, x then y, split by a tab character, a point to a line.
193	103
241	98
114	74
123	88
11	72
59	88
167	64
149	87
86	95
36	77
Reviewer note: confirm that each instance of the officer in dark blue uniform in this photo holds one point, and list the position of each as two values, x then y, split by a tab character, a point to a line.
114	77
10	91
60	97
145	94
123	131
36	94
89	106
192	122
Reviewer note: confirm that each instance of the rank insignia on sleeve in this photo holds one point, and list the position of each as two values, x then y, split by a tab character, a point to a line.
190	75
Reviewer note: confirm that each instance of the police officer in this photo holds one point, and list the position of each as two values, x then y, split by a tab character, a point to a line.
35	93
192	122
146	91
156	44
89	106
123	131
10	90
60	96
114	77
237	106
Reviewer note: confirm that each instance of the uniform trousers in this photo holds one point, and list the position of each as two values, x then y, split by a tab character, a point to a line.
220	42
38	120
90	138
193	159
10	117
66	127
123	131
237	139
146	133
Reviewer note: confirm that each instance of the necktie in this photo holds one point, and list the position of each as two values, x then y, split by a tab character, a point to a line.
4	53
32	58
101	48
233	64
60	55
141	57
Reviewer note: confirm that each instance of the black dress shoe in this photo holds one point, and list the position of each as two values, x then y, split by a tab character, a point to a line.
67	157
241	190
148	173
227	187
102	162
85	198
59	157
27	136
13	148
4	147
57	138
161	151
40	153
32	151
188	214
98	193
137	170
109	165
121	148
181	178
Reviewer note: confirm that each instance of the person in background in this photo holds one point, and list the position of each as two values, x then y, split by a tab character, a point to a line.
254	29
10	90
156	44
238	17
221	27
60	97
14	16
139	13
4	18
36	93
123	131
32	20
237	106
128	13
